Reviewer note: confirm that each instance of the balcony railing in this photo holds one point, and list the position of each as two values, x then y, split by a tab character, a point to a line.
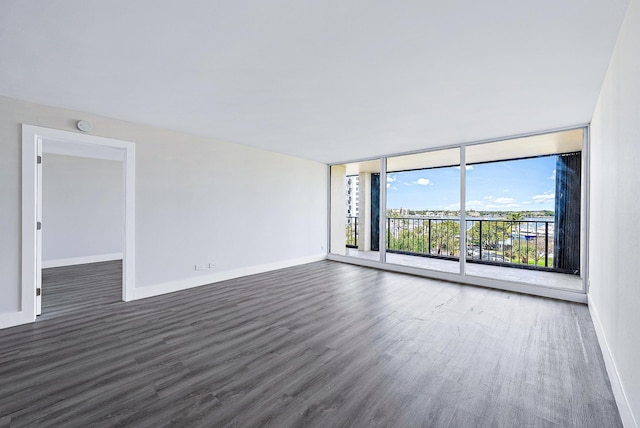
527	243
517	243
433	237
427	237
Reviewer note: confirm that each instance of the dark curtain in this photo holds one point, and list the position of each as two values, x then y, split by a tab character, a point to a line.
566	250
375	212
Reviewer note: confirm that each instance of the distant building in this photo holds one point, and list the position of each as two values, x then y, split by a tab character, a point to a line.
400	212
353	196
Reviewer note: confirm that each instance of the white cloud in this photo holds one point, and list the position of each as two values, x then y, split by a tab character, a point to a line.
526	203
391	178
503	201
388	185
467	167
541	199
488	197
475	203
553	175
424	182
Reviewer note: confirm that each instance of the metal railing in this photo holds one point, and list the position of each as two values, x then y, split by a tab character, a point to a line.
517	243
351	230
429	237
528	243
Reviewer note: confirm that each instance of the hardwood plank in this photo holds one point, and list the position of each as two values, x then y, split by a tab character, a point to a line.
324	344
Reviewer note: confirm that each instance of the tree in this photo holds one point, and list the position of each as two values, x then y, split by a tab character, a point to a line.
515	216
532	250
489	234
412	235
351	230
445	237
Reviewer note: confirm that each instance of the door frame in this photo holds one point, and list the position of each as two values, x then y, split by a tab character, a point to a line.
74	144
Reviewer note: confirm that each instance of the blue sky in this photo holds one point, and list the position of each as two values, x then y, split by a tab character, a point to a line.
518	185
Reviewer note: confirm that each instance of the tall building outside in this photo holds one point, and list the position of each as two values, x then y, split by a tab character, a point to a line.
353	196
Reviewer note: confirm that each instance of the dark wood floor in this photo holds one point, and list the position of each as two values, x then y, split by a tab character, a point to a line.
82	288
324	344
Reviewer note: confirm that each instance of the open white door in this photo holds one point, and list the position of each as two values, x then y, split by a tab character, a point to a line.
39	229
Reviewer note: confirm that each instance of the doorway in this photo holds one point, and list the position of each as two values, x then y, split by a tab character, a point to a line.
35	142
82	224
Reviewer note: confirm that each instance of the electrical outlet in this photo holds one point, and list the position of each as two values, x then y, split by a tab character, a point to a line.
212	265
199	267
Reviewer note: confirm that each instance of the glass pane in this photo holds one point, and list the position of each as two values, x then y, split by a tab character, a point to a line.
523	203
423	210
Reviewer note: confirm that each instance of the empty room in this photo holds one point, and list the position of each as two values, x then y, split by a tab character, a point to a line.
353	214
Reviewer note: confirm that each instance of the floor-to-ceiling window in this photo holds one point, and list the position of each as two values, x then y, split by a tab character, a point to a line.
523	206
514	213
423	210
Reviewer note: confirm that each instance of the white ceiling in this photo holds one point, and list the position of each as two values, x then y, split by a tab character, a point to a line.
330	80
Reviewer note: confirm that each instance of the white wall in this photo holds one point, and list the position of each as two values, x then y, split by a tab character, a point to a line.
615	217
82	214
197	201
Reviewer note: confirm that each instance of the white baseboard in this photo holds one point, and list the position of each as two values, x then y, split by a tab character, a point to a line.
12	319
626	414
81	260
183	284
